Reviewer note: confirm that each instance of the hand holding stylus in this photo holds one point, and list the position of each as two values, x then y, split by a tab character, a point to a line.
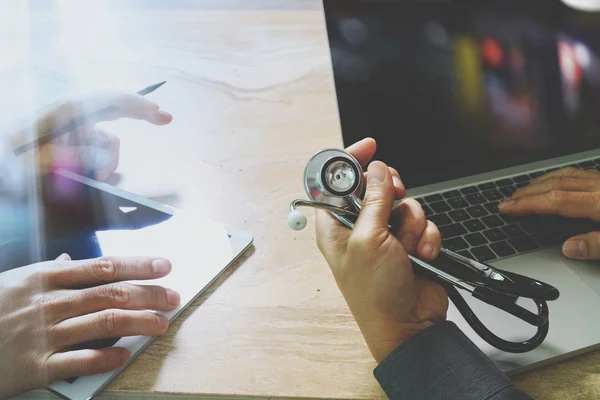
47	145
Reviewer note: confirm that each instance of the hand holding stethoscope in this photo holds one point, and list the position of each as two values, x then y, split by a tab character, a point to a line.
371	266
380	281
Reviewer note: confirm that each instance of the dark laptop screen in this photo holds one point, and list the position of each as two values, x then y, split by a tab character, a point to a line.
452	89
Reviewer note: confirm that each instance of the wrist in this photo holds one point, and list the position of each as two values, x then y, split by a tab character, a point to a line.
385	337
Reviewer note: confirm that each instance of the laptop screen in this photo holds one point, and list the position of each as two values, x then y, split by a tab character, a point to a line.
453	89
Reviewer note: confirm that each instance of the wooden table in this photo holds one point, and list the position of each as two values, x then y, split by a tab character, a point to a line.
251	90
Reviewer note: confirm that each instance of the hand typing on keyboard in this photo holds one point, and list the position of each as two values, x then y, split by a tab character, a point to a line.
568	192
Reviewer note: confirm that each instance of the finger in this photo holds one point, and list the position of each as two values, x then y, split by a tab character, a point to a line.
569	172
558	183
410	221
107	158
371	227
363	150
92	149
63	257
564	203
78	274
332	236
123	296
91	136
107	324
398	185
79	159
430	243
583	247
128	105
84	363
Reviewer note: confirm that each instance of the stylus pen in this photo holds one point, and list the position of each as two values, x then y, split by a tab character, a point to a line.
76	122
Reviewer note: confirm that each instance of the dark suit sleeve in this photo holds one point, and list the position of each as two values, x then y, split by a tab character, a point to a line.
442	363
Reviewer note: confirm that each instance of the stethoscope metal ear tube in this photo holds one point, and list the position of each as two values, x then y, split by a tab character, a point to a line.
334	181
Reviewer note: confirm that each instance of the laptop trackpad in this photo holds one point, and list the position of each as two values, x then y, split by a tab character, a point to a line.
588	271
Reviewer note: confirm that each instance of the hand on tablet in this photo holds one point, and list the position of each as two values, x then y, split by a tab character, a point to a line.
88	148
63	303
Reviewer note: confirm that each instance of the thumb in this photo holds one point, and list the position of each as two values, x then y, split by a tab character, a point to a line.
378	202
583	247
63	257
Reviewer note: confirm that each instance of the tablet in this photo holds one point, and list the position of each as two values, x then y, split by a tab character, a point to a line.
87	219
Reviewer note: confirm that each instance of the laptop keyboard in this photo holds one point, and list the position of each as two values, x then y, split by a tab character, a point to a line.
471	225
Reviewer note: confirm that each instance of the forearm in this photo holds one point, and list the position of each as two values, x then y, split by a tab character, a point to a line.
442	363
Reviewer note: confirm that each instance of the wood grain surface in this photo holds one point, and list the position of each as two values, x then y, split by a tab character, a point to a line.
251	91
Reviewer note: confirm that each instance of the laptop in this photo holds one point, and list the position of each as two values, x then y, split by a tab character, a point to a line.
470	101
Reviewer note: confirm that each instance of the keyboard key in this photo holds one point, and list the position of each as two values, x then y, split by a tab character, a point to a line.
521	179
493	195
513	230
523	243
494	235
510	219
504	182
552	170
476	239
483	253
440	206
427	210
507	191
474	225
522	184
458	202
492	221
450	231
586	164
459	215
433	197
465	253
477	211
420	200
475	199
502	249
455	244
534	175
470	190
487	186
440	219
492	207
451	194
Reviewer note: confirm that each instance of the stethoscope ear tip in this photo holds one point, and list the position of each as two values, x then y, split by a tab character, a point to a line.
296	220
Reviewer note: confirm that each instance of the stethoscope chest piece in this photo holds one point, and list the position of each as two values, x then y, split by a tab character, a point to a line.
331	176
334	181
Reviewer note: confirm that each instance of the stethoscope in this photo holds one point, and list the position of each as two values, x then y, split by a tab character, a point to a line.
334	181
